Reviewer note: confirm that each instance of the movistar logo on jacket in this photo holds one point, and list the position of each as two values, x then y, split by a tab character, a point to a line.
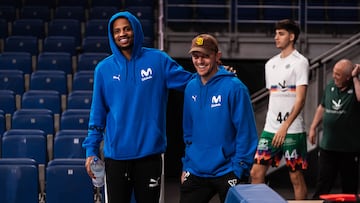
146	74
215	101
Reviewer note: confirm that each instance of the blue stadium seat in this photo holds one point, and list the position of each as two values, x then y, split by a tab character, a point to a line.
13	3
8	13
70	12
79	99
102	12
33	132
65	27
96	27
75	119
142	12
7	108
42	99
69	145
12	79
29	132
81	3
96	44
7	101
36	12
25	146
55	61
42	119
16	61
48	3
34	122
117	4
67	161
32	146
4	30
128	3
49	80
60	44
68	181
88	61
83	80
2	125
29	27
71	132
19	176
16	43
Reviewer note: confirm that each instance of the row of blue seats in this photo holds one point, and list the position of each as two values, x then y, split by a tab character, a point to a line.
68	21
46	80
52	60
34	45
57	27
56	80
36	144
28	139
70	26
46	120
63	180
46	14
82	3
49	99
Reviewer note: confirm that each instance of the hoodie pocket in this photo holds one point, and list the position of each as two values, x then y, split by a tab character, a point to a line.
206	159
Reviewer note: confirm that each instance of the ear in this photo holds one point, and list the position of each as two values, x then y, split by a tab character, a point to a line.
218	55
292	36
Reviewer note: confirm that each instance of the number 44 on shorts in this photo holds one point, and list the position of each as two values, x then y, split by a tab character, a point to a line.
293	154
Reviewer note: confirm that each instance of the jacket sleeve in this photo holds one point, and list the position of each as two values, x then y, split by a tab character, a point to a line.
97	118
246	132
187	128
176	76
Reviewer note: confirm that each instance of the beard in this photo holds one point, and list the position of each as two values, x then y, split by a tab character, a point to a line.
126	48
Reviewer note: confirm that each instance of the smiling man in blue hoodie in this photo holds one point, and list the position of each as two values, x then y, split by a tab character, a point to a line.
128	112
219	127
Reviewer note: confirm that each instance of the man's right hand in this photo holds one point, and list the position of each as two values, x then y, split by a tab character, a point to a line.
87	166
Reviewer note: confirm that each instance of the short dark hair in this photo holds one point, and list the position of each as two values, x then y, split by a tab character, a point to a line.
290	26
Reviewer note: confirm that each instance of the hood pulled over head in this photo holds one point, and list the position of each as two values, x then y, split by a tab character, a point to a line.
137	29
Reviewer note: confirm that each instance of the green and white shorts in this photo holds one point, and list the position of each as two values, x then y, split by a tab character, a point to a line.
294	151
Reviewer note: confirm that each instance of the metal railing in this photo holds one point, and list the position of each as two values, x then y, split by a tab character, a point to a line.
260	16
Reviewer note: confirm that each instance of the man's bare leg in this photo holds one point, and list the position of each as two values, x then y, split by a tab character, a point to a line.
299	185
258	173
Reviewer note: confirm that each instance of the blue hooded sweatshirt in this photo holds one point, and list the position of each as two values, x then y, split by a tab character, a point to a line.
128	109
219	127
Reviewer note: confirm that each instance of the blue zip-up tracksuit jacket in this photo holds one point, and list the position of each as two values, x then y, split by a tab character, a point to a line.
219	127
128	109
